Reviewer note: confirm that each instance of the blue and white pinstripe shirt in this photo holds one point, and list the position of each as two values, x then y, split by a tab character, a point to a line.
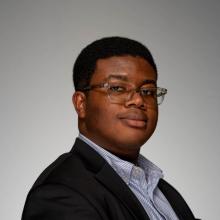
142	180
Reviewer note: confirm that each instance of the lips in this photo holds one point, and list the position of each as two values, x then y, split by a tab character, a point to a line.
134	119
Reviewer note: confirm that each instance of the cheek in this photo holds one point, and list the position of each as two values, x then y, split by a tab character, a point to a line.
153	117
101	117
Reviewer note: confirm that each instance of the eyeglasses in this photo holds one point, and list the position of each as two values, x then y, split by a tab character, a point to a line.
120	92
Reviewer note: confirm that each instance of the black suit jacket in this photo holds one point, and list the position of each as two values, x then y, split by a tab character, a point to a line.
81	185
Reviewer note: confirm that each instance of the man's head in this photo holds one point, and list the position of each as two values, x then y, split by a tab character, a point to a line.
118	121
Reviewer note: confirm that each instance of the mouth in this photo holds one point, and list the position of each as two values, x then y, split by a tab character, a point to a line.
134	120
134	123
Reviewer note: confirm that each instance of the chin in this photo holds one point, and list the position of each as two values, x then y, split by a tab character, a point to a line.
133	140
136	138
133	136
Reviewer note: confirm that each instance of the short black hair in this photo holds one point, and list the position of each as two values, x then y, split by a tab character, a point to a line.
85	63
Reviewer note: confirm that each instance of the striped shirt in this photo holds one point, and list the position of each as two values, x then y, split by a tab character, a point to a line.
142	180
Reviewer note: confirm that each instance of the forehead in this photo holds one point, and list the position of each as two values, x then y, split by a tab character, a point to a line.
129	68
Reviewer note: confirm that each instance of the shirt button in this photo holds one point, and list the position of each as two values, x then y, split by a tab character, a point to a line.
137	171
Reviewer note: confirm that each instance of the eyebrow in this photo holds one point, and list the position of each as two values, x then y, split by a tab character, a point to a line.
149	81
125	78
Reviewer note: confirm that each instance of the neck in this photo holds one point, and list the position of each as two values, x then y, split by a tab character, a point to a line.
118	149
130	158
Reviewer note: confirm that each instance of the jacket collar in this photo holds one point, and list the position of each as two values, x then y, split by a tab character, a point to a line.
176	201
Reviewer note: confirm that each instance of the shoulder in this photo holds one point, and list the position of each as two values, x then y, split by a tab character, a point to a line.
176	200
67	187
69	169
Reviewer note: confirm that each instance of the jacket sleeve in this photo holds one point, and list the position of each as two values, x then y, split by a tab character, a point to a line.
57	202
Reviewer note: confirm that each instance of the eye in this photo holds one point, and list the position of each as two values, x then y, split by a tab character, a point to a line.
148	91
117	88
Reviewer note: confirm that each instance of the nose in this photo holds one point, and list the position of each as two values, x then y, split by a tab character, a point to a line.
136	100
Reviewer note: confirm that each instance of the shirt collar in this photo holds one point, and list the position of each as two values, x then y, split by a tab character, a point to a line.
124	168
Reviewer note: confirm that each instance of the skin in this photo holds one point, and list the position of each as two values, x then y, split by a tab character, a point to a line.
119	128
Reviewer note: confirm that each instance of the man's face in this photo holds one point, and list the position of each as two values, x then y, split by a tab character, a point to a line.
120	128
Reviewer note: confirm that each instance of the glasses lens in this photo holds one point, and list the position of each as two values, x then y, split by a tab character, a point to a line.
118	91
161	92
160	99
121	92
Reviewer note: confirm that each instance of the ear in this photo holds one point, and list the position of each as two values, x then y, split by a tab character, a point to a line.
79	102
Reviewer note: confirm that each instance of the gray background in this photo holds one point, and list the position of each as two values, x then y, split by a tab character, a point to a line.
39	42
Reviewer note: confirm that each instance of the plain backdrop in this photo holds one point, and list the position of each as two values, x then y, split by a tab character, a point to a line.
39	41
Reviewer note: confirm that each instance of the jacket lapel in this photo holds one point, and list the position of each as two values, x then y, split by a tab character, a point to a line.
118	187
110	179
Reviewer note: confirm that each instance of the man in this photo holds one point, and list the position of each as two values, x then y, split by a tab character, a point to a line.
104	177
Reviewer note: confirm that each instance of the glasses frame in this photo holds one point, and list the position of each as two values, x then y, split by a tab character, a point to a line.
106	85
